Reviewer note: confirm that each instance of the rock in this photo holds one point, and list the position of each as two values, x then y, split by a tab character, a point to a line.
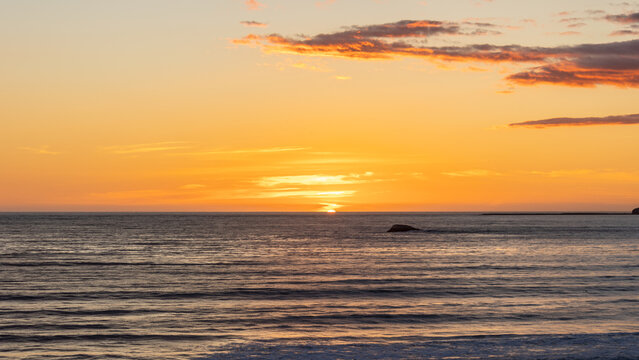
401	228
635	211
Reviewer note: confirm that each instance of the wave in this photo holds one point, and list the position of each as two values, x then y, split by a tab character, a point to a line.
108	337
522	347
410	290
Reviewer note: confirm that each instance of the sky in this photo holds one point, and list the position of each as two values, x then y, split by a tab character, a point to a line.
318	105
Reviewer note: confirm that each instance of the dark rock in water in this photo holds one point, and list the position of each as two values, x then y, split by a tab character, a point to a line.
400	228
636	211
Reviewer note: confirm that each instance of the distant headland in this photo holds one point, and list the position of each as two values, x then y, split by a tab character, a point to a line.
634	212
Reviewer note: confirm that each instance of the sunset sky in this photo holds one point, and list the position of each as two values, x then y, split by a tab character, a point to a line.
296	105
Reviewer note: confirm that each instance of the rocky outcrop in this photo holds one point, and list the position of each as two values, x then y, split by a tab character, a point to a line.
635	211
401	228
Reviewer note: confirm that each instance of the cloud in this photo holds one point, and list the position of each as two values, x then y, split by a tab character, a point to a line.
587	121
310	67
584	65
569	33
625	32
587	65
192	187
472	173
278	193
146	148
632	18
43	150
248	151
330	206
253	24
313	179
253	4
372	41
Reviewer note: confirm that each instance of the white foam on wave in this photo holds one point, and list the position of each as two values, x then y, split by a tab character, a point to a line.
524	347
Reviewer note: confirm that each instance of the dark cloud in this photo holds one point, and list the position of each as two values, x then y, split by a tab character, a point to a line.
370	35
615	63
588	65
624	32
632	18
253	24
587	121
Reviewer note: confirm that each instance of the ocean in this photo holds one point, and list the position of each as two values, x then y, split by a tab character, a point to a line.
318	286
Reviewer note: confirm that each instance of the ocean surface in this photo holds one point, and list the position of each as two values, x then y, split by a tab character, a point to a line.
318	286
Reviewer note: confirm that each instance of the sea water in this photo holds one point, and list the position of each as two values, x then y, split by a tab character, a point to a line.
318	286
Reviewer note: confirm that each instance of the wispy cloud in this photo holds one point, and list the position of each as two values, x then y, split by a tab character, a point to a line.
253	4
368	41
472	173
316	194
147	148
584	65
330	206
625	32
253	24
331	161
311	67
247	151
587	121
43	150
313	179
192	187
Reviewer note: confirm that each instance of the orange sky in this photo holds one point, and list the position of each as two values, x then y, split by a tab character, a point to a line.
289	105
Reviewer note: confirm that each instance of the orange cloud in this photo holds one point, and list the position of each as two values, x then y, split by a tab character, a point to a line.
253	4
583	65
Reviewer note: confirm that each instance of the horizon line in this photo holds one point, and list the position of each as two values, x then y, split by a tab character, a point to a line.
487	212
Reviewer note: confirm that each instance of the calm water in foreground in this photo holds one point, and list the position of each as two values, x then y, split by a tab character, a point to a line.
318	286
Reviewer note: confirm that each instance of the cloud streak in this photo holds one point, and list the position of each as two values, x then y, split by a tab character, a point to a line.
313	180
248	151
472	173
43	150
585	65
253	24
253	4
280	193
587	121
632	18
147	148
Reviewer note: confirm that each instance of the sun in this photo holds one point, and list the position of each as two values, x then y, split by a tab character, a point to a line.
331	211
